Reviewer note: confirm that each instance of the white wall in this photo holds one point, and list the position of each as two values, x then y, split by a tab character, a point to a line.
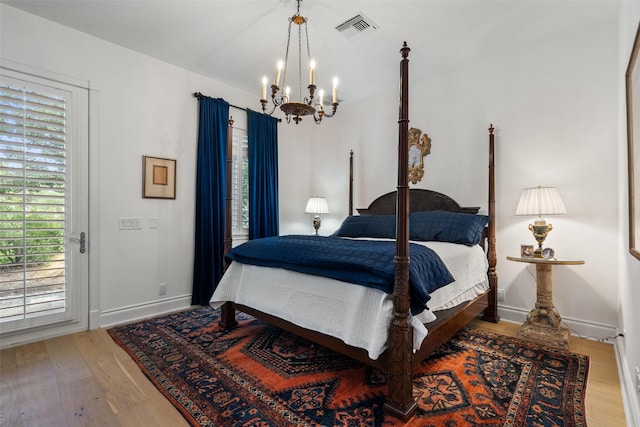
554	106
558	109
294	185
145	107
629	267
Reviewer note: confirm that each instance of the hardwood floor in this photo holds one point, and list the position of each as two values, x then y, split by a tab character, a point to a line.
86	379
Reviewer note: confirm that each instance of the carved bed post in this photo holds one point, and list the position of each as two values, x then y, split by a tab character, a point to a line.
228	313
491	312
227	213
400	401
351	183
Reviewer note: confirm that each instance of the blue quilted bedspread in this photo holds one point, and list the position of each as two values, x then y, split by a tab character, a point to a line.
367	263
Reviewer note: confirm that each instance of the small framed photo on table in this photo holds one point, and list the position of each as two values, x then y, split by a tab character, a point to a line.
526	251
158	178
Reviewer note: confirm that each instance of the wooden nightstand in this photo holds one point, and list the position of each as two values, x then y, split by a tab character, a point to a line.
543	324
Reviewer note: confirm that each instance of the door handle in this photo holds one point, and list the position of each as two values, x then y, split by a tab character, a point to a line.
81	240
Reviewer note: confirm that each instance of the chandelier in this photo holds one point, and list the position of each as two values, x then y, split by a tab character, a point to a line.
307	106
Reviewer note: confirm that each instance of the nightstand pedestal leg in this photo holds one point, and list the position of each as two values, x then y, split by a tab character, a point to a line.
543	324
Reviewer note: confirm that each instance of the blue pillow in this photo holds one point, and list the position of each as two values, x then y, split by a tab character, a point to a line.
443	226
378	226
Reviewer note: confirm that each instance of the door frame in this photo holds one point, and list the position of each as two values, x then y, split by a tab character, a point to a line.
89	318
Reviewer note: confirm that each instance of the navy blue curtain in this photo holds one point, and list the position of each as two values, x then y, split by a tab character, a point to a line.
262	133
210	197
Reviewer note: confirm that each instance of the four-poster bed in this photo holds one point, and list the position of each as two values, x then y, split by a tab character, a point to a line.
399	349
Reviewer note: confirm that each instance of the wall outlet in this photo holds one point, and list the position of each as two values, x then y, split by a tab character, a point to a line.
162	288
637	379
500	294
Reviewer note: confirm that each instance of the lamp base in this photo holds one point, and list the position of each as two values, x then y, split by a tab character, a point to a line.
540	229
316	223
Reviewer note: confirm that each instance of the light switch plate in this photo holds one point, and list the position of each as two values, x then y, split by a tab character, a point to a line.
130	223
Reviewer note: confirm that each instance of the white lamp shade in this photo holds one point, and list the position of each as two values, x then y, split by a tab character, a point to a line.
317	205
540	201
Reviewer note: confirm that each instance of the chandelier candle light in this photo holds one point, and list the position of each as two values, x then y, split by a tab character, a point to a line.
303	107
540	201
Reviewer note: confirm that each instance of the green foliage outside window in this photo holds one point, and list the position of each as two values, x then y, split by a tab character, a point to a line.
32	234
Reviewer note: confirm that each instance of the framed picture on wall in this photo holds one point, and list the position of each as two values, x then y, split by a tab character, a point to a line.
158	178
632	78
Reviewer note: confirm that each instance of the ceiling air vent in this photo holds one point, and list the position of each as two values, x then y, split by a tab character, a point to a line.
356	26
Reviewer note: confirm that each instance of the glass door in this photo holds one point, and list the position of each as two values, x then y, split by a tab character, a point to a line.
43	202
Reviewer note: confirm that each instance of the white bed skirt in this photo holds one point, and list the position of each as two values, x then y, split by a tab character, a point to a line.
357	315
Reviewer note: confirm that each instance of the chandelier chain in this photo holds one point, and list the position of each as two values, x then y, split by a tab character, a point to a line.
306	34
300	63
286	56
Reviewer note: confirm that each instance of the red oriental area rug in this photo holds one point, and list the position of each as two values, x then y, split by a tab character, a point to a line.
259	375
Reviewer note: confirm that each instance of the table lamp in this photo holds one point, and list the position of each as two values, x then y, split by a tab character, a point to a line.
540	201
316	206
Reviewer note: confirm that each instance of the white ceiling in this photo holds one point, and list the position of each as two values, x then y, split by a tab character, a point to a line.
239	41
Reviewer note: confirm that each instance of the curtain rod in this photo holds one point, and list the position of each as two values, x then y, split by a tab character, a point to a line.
200	95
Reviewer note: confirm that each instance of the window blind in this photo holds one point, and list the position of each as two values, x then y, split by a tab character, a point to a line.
33	149
240	183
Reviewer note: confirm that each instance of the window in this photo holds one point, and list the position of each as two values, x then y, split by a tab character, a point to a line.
240	184
33	186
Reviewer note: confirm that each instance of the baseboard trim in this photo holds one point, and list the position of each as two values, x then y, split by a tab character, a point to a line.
132	313
97	319
45	332
582	328
94	319
627	384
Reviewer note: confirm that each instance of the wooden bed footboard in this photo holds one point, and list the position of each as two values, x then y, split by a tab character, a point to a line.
447	324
